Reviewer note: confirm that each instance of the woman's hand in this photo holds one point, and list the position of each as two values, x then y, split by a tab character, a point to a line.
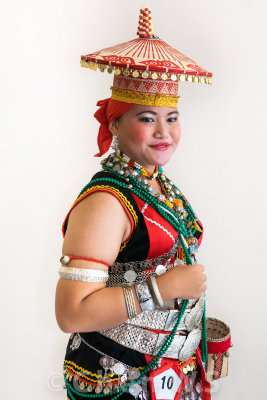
182	282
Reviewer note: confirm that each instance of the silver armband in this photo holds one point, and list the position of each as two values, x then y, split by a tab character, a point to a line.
83	274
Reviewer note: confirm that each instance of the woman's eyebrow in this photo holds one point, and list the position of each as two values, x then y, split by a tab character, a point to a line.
176	112
145	112
154	113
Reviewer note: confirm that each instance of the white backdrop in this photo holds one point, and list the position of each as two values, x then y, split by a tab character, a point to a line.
48	138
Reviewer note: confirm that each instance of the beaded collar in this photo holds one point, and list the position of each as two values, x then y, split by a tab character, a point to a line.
126	167
138	167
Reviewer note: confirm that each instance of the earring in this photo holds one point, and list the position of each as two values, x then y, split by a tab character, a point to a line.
115	144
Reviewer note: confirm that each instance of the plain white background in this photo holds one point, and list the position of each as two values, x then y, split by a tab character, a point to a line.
48	138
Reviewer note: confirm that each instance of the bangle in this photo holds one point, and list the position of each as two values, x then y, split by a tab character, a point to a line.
130	303
144	296
155	293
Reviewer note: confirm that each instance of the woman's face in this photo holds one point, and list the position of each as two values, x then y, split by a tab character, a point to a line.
148	134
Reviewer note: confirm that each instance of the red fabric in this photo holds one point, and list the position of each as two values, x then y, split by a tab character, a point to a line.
160	231
206	388
109	111
219	347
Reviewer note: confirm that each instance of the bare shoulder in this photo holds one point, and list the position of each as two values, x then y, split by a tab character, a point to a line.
98	207
96	227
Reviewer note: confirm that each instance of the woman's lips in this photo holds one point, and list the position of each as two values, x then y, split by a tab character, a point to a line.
161	146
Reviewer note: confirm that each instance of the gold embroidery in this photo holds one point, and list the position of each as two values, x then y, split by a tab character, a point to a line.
78	371
110	188
146	99
123	246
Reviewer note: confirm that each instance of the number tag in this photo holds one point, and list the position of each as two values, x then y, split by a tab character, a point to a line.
167	382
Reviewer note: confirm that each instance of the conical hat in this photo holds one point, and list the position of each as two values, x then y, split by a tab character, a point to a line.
146	65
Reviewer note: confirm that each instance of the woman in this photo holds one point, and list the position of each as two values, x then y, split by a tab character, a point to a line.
130	238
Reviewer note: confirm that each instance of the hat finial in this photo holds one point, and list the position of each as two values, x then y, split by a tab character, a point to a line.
145	28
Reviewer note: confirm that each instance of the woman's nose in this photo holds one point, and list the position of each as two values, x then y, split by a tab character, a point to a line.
161	131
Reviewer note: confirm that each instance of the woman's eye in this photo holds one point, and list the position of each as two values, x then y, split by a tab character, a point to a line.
146	119
172	119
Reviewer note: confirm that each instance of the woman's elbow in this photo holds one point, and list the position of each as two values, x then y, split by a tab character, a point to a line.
70	322
63	322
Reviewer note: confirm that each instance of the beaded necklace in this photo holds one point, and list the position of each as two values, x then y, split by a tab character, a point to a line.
125	166
139	169
178	212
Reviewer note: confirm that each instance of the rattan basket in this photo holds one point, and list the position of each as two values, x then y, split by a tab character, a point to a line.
219	342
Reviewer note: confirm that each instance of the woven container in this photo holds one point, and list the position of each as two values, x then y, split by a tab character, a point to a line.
219	342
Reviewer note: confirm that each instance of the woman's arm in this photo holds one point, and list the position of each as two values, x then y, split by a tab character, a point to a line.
96	228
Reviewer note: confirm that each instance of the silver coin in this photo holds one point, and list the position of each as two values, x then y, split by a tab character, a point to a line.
135	389
133	373
119	368
130	275
160	269
105	362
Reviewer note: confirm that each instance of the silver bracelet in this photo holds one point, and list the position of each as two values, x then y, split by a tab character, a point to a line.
83	274
130	303
155	293
144	296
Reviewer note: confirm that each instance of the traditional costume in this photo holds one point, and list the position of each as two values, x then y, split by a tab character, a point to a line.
161	353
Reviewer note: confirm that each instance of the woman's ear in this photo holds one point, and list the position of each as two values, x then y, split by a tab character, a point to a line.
113	127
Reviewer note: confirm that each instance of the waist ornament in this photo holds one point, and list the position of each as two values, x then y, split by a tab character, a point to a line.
134	333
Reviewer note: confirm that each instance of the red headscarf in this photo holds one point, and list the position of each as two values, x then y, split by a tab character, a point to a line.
109	111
